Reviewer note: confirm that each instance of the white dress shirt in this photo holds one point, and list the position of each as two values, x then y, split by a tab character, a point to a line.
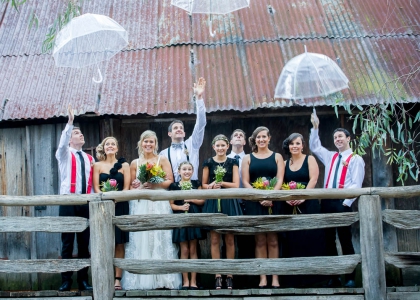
63	156
193	144
356	168
241	156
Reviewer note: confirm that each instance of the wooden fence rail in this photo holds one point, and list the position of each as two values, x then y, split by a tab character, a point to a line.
235	224
102	221
246	194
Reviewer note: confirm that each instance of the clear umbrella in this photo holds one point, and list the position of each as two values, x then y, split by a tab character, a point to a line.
211	7
89	39
310	75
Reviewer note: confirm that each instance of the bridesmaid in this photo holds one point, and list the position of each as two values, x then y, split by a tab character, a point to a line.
187	237
303	169
109	167
263	162
230	207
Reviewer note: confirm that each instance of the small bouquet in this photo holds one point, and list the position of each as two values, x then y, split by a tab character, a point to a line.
293	186
152	173
185	186
219	173
109	186
263	183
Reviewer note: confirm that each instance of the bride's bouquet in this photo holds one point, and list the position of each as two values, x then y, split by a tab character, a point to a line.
152	173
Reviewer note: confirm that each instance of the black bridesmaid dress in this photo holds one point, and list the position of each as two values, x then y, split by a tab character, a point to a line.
265	167
230	207
121	208
189	233
302	243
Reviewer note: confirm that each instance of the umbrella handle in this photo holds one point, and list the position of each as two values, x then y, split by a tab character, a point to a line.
100	77
212	33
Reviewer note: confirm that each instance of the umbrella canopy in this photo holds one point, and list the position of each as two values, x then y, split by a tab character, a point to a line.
211	7
310	75
87	40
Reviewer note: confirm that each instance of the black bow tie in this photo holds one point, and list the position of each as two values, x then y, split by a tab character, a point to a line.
176	145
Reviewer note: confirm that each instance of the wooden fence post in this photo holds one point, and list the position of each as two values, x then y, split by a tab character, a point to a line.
102	245
372	247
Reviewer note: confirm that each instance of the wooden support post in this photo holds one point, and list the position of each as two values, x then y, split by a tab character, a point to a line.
372	248
102	244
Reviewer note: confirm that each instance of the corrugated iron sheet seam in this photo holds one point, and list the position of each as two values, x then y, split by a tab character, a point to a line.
281	39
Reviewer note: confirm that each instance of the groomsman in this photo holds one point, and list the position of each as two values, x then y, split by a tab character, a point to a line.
188	150
75	167
343	170
237	140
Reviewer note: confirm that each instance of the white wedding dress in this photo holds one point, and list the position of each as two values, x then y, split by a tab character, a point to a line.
155	244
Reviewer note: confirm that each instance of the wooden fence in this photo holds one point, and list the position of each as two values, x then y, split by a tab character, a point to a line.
102	221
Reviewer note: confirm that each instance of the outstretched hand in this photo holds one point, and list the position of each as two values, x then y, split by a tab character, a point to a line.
71	114
199	87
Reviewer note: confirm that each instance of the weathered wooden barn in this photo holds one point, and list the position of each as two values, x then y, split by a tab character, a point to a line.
149	84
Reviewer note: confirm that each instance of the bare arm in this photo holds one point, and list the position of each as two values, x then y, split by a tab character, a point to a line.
235	179
183	207
205	179
96	172
280	171
245	172
167	168
133	174
127	176
313	172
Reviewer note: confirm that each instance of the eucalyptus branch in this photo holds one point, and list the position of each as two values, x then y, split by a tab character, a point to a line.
73	9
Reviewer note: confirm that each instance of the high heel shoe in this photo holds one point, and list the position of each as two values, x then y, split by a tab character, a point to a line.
218	283
229	282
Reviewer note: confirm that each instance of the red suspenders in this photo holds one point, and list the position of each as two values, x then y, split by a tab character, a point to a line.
343	171
73	175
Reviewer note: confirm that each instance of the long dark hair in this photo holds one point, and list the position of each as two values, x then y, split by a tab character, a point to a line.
251	139
287	141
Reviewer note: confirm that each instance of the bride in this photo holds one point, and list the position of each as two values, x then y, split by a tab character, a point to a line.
156	244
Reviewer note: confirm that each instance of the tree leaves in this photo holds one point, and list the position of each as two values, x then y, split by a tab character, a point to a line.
374	124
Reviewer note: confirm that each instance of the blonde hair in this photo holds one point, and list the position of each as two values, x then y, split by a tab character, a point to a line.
100	151
145	135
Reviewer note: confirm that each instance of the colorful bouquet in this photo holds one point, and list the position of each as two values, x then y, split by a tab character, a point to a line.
109	186
263	183
293	186
152	173
219	173
185	186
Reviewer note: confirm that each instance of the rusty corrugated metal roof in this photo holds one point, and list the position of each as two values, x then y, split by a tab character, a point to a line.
169	49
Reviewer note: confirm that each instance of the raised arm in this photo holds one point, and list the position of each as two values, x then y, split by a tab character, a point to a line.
63	146
315	143
197	135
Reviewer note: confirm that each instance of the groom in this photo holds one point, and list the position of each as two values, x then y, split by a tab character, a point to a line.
75	167
188	150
